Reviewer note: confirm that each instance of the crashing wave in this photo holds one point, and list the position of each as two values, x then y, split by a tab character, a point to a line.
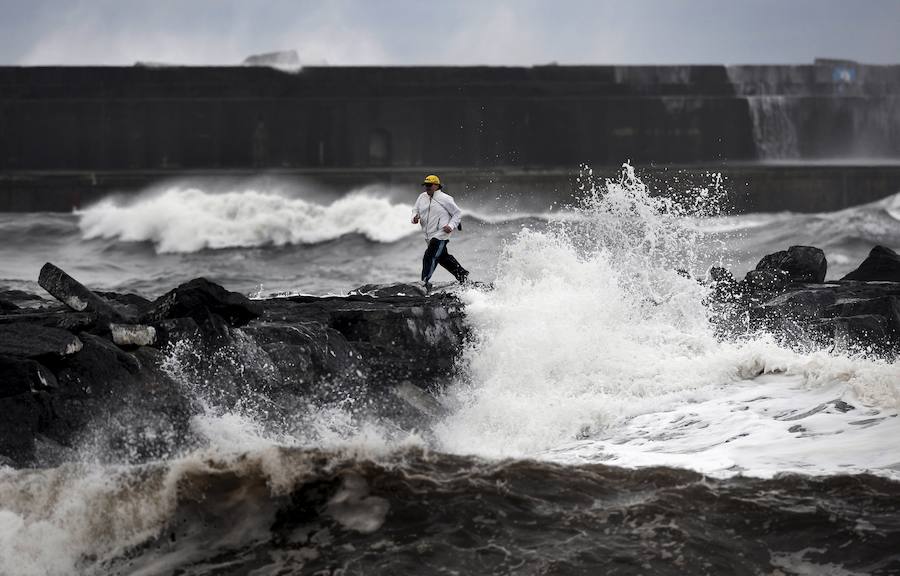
190	219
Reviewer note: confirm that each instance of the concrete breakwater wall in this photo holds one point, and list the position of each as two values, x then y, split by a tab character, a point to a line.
77	132
122	118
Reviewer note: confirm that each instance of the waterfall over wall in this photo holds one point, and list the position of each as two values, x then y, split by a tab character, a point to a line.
831	110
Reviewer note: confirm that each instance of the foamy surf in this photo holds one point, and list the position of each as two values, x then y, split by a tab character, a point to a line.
191	219
592	348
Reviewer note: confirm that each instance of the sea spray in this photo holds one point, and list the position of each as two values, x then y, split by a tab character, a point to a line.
241	402
589	320
593	348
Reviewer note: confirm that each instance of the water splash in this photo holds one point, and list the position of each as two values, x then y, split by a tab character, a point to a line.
585	318
593	341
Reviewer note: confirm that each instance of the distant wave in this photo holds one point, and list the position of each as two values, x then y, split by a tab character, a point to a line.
891	205
190	219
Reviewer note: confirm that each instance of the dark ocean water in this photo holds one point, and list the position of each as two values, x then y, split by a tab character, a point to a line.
421	513
597	424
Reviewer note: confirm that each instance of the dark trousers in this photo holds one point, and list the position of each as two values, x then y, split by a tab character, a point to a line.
435	254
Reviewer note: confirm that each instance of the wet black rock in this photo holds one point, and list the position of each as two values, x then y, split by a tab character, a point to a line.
21	418
801	263
22	375
65	381
37	342
767	280
75	295
882	264
846	316
198	299
858	333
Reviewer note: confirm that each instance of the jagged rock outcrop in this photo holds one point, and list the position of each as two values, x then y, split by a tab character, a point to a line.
70	376
787	296
799	263
881	265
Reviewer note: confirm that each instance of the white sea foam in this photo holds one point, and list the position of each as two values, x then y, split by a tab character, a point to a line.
591	348
191	219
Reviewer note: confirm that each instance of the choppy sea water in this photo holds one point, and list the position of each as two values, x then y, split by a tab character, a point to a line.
596	424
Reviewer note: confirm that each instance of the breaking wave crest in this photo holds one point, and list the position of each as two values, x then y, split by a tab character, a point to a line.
191	219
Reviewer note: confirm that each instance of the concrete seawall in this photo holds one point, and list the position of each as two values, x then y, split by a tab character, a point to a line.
71	135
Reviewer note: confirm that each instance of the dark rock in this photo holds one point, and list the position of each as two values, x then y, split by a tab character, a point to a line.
130	306
19	375
802	263
37	342
882	264
62	319
21	417
119	402
799	304
356	352
886	306
74	295
864	333
767	280
18	299
398	289
168	332
200	298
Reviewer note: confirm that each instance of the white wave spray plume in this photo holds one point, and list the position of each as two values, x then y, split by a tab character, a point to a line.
595	322
583	317
190	219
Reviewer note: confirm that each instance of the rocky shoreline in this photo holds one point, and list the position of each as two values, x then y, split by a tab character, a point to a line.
787	295
125	375
73	372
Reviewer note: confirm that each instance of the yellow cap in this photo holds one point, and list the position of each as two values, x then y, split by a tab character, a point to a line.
432	179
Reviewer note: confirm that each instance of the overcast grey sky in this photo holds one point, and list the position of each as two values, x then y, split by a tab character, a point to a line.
495	32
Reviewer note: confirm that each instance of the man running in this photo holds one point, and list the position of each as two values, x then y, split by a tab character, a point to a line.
438	215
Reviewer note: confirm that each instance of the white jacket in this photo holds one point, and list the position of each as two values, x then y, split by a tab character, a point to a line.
435	212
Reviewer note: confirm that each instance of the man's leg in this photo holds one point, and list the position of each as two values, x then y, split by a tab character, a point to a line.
432	256
452	266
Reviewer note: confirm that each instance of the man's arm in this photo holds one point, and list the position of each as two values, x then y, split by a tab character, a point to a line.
415	212
454	211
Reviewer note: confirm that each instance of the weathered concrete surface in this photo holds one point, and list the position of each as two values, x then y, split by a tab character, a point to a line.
73	134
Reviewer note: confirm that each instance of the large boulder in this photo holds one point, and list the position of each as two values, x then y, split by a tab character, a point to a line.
21	417
802	263
767	280
882	264
200	298
887	307
20	375
37	342
76	296
867	332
